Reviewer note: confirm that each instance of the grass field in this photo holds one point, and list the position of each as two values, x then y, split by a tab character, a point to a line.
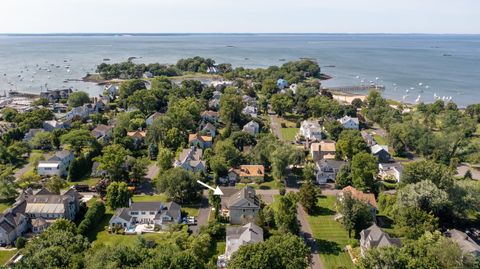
330	235
288	134
380	139
99	234
5	255
150	198
88	181
220	247
4	206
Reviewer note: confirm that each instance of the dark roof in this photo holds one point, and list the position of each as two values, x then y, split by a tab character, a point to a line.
247	193
334	163
378	238
123	213
146	206
173	209
5	225
47	199
209	126
42	191
63	154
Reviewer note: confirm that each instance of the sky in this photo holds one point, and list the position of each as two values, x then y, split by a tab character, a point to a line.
240	16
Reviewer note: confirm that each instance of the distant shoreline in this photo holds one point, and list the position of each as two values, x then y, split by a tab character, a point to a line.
235	34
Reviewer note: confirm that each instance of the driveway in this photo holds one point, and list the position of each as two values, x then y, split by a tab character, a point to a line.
18	175
275	127
152	171
203	213
307	234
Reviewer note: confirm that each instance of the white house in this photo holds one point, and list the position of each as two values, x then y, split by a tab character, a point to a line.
238	236
349	123
37	210
251	127
374	237
80	112
191	159
310	130
56	165
154	213
51	125
326	170
102	132
390	171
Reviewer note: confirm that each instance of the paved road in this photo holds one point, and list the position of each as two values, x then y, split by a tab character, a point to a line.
18	175
203	214
306	232
275	127
152	171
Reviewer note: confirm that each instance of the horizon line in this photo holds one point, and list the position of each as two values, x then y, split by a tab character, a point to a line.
224	33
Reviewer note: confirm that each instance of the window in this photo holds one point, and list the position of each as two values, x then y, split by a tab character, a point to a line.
143	212
152	213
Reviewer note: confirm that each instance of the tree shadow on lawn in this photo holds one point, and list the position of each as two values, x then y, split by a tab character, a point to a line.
99	227
328	247
322	211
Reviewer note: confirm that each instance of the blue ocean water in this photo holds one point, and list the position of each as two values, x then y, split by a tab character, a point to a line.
410	66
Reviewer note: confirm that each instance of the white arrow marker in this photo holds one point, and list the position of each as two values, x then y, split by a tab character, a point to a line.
216	191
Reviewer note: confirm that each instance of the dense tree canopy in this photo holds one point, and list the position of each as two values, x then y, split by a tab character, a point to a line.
349	143
180	185
282	251
78	99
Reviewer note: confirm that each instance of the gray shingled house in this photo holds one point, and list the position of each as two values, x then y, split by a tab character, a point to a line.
374	237
243	206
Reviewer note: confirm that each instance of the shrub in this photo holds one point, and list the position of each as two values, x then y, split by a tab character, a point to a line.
20	242
92	217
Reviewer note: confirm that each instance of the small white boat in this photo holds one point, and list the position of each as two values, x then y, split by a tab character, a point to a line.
420	84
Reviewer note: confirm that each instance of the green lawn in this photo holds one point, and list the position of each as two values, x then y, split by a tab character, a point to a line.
87	181
220	247
288	134
380	139
5	255
100	235
330	235
150	198
4	206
